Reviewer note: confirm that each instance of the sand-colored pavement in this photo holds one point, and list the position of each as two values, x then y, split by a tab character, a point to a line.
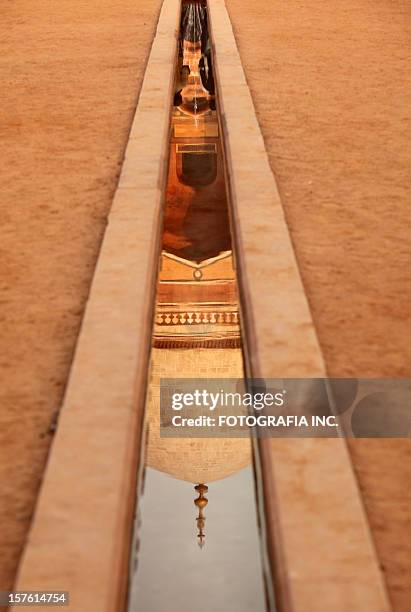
71	74
331	84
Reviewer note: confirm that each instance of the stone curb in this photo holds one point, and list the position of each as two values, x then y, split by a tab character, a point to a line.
81	533
318	547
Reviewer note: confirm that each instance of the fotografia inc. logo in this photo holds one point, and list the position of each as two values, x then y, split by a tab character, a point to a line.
320	407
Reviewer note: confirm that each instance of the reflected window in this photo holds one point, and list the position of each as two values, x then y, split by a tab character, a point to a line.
197	164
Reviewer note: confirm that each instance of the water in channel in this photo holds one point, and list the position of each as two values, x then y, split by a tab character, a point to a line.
196	541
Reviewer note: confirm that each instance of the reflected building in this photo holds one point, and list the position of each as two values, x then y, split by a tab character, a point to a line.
197	329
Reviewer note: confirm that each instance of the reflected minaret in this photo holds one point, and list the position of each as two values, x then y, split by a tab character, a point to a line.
201	501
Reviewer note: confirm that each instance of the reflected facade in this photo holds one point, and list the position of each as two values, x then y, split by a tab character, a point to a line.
194	489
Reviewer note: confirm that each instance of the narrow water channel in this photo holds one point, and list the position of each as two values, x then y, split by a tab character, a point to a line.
196	541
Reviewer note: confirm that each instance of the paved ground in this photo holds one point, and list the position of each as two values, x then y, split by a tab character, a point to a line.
330	81
72	72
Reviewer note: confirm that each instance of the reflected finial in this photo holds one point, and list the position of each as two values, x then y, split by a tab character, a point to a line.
201	501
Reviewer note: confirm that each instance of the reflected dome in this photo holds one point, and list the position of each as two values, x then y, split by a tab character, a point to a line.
195	460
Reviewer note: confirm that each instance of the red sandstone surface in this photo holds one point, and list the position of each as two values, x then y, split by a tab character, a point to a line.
70	73
331	85
196	225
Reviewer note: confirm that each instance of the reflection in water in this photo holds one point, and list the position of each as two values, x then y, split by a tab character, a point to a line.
196	226
196	335
173	574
